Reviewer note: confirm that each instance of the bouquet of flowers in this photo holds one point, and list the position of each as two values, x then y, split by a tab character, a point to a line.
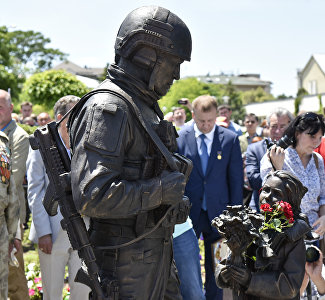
277	217
34	281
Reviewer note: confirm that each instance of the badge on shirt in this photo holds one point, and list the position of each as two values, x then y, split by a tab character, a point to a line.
219	155
4	166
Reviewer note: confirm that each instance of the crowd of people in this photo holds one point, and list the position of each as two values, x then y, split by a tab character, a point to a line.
131	181
230	163
54	249
261	155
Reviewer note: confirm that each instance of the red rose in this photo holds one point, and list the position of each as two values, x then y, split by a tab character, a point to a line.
288	210
291	220
266	207
281	205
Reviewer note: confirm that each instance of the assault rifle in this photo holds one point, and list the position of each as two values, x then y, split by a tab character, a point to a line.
57	163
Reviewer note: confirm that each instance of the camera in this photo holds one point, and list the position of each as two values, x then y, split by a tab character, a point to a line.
182	101
284	142
312	252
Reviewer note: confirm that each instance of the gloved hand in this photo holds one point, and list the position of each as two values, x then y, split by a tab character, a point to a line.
173	186
183	210
225	275
241	275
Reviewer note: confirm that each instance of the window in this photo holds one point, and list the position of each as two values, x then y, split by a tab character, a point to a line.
312	87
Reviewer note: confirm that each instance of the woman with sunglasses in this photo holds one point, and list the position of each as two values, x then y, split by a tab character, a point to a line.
305	133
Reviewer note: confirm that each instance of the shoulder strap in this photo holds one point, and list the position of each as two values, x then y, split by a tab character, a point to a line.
316	160
117	91
114	89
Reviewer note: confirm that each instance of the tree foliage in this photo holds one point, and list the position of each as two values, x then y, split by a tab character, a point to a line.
47	87
104	75
300	95
321	109
191	88
27	50
255	95
187	88
283	96
9	80
234	101
22	53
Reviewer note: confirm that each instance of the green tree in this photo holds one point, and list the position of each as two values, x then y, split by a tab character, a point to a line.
103	76
47	87
28	50
321	109
234	101
283	96
300	95
22	53
187	88
255	95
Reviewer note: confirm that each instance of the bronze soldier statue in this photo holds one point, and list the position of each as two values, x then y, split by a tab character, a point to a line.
124	175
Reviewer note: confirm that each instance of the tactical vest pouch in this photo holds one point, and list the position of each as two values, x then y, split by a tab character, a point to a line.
184	164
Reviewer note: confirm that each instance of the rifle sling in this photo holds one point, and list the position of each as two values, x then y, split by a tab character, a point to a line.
117	91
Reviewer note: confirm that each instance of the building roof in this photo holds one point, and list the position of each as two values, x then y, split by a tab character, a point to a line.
77	70
241	80
319	59
89	82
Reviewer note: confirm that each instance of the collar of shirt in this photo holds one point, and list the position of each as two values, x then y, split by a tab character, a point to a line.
208	138
68	150
6	126
249	139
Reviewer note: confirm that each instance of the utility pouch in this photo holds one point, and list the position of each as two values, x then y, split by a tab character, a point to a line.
184	164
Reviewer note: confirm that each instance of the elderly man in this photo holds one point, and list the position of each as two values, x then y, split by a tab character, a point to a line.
18	144
43	118
9	213
278	121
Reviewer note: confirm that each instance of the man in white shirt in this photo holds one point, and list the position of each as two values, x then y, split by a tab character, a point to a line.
54	248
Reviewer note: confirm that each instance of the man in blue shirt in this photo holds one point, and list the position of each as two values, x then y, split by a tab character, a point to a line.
225	111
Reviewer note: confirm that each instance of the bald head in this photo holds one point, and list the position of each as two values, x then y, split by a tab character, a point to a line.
6	108
5	96
43	118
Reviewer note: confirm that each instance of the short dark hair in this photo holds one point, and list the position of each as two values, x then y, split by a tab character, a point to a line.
177	108
63	105
26	103
309	121
251	115
222	106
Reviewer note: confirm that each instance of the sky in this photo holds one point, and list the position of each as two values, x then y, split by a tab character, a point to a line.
273	38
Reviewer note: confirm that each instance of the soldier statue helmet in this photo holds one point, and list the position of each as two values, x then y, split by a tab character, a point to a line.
148	36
